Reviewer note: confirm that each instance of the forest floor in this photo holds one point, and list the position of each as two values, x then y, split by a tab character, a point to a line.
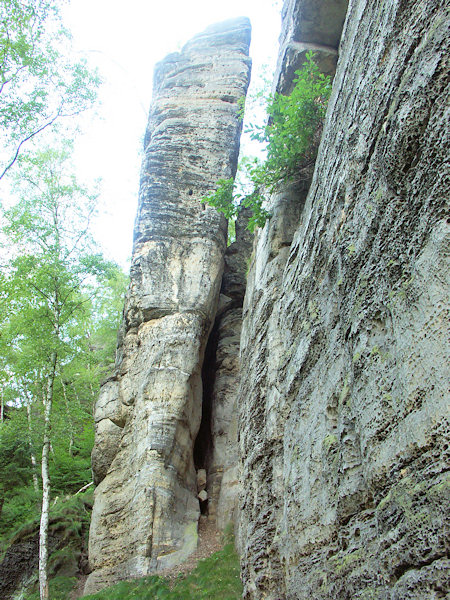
209	541
78	591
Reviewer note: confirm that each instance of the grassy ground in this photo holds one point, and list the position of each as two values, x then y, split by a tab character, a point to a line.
214	578
60	588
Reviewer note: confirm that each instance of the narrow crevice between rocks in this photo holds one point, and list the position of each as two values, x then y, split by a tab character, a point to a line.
203	446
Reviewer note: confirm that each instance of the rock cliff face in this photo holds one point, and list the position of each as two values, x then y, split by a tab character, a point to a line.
344	352
149	412
328	438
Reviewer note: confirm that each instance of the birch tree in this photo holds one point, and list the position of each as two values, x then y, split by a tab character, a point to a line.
53	277
41	79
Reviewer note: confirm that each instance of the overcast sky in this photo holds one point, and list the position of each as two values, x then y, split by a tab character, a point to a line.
125	40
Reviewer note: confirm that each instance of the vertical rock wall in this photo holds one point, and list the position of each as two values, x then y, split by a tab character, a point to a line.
148	414
344	384
222	464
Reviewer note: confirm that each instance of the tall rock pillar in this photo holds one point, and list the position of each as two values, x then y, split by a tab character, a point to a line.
148	413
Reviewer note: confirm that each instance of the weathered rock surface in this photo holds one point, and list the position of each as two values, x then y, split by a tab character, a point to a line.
223	380
344	366
308	25
147	418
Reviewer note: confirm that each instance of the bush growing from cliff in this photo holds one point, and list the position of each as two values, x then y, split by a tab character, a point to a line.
291	137
229	203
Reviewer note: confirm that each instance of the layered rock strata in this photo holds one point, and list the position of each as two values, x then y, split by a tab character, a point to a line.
148	414
344	384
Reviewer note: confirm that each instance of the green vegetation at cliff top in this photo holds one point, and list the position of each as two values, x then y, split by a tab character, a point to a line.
291	138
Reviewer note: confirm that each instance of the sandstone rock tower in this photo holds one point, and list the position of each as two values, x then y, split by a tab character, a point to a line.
340	445
149	412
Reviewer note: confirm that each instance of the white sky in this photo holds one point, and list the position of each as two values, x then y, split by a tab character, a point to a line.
125	40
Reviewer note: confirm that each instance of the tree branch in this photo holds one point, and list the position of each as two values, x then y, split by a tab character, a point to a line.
85	487
27	139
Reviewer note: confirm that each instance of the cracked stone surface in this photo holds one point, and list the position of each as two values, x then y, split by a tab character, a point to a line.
223	463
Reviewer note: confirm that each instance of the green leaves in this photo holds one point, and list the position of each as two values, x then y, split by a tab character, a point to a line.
229	204
294	122
222	199
40	80
55	269
291	137
58	295
260	215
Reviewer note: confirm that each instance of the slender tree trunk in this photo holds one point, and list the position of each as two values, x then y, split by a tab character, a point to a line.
69	418
43	530
30	438
30	445
93	394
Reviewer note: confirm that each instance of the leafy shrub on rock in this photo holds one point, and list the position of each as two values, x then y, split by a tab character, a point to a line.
291	136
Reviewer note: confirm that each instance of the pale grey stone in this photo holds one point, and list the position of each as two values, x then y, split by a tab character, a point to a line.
328	438
344	351
201	479
223	462
203	495
146	507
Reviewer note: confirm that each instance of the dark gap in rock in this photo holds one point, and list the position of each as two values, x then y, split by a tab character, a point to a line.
204	443
203	447
203	507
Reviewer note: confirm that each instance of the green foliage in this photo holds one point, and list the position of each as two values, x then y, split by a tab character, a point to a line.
294	123
259	216
55	271
15	466
231	231
241	108
291	138
60	588
72	513
215	577
69	525
106	316
69	516
69	471
222	199
19	501
230	204
55	280
20	507
40	79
